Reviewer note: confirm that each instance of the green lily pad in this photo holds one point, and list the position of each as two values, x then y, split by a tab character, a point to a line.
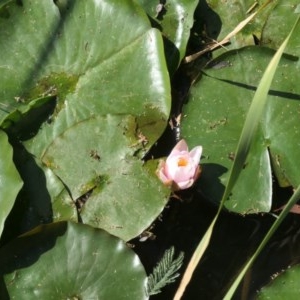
263	29
105	65
24	122
214	118
70	261
105	166
10	180
284	286
63	206
273	35
175	19
43	197
89	70
235	11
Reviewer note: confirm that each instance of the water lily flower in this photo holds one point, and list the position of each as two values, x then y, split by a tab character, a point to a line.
181	168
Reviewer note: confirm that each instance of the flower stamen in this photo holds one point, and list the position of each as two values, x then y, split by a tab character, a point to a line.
182	162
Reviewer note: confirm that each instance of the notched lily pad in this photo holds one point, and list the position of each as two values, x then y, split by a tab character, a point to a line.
113	177
106	66
275	148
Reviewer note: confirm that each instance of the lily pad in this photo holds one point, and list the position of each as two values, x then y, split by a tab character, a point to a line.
233	12
24	122
284	286
85	66
263	29
70	261
273	35
175	19
215	117
10	180
118	184
106	67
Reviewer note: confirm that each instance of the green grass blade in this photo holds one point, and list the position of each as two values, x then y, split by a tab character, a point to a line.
263	89
253	117
285	211
195	260
248	133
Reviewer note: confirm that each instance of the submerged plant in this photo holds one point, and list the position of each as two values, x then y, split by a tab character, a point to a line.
165	272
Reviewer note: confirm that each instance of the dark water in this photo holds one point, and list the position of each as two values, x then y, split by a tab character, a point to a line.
235	238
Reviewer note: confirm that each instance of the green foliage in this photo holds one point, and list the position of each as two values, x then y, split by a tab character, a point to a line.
246	139
264	28
284	286
10	180
111	87
24	122
165	272
175	19
215	117
269	234
273	36
64	260
91	81
86	93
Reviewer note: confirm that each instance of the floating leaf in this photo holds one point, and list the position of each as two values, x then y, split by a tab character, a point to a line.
233	12
70	261
214	119
283	286
121	188
106	67
24	122
175	19
10	180
273	35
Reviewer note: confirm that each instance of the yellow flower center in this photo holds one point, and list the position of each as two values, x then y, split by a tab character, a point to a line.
182	162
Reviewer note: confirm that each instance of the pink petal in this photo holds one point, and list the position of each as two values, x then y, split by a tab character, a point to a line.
185	184
196	154
175	154
160	172
163	177
184	173
197	173
171	166
180	146
181	167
